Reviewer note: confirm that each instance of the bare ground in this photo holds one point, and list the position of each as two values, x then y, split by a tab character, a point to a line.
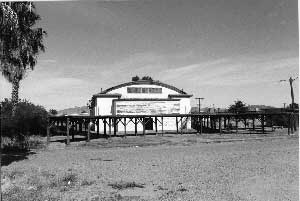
172	167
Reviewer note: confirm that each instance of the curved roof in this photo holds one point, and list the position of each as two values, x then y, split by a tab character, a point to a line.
151	82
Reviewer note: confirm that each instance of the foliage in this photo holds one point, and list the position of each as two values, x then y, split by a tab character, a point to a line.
147	78
53	112
293	106
21	46
238	107
29	119
135	78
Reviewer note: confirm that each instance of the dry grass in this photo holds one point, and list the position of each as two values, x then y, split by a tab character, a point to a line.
185	168
125	185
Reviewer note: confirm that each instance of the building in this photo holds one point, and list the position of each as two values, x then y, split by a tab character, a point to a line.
143	97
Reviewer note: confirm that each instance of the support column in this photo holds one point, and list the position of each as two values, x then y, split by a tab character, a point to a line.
263	123
162	125
135	126
156	125
104	125
176	125
201	125
220	125
125	126
68	131
236	124
88	136
144	126
48	133
115	125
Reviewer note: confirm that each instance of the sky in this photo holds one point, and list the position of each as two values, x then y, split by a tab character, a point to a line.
221	50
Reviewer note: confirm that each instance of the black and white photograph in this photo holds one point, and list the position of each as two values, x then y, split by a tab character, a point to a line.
149	100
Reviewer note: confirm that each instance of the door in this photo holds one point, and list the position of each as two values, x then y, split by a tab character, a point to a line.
148	123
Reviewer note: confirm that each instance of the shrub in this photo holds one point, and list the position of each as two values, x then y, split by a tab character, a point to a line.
29	119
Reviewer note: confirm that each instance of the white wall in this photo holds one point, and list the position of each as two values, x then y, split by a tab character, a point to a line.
123	90
104	106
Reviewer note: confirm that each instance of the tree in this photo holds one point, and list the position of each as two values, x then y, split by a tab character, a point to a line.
135	78
147	78
21	47
238	107
53	112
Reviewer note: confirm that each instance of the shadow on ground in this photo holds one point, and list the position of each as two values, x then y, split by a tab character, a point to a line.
14	155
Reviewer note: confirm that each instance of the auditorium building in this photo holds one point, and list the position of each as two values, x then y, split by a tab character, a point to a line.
142	97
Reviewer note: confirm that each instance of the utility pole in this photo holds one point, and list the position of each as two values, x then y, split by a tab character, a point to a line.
199	99
291	80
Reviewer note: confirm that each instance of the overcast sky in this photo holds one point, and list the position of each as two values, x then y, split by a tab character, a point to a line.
222	50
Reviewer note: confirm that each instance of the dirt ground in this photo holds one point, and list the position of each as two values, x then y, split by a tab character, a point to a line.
171	167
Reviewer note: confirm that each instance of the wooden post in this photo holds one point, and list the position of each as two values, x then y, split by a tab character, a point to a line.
135	126
289	124
181	125
162	125
143	125
236	124
104	125
292	122
176	126
109	129
201	125
98	122
88	136
115	125
220	125
68	131
125	126
73	132
263	123
156	125
48	133
80	126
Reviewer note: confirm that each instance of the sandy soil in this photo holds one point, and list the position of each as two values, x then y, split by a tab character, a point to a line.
173	167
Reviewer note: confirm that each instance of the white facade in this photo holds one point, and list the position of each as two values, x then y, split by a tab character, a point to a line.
143	98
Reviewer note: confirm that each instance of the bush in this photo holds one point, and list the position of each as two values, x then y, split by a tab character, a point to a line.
29	119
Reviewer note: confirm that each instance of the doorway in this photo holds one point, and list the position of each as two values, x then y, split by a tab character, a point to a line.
148	123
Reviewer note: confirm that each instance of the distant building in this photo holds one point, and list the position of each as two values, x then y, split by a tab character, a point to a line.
142	97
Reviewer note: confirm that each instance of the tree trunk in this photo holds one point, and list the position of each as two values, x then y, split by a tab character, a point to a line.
15	95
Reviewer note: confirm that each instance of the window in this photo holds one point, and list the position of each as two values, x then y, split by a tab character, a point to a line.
133	90
155	90
144	90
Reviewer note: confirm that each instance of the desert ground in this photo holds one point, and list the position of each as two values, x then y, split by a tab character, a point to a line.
170	167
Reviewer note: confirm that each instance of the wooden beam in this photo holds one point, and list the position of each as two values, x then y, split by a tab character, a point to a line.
263	123
143	125
201	125
236	124
88	136
109	129
98	122
220	126
104	125
156	125
135	125
125	126
68	131
48	133
176	125
115	125
162	125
